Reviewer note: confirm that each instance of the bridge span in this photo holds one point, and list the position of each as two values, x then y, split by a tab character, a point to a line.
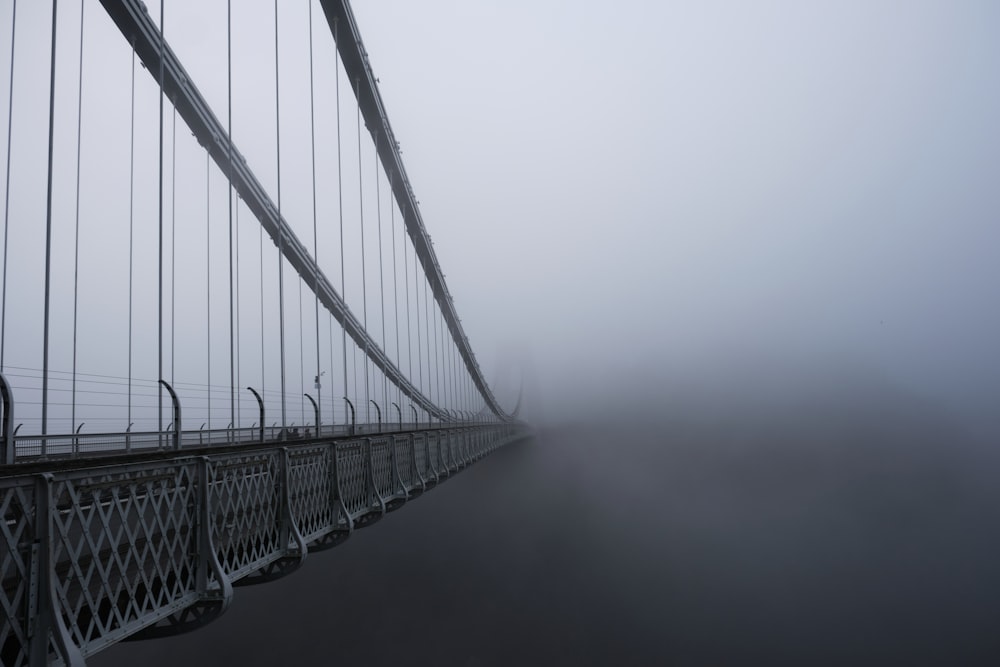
157	276
95	551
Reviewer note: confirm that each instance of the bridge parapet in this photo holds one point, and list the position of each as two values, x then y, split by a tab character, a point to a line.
152	548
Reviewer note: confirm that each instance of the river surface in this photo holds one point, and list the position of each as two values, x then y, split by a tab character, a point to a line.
825	538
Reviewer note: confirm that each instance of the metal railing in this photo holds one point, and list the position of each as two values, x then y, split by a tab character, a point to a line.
91	556
32	448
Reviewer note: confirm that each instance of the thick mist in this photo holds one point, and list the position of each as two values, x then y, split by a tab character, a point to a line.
846	524
742	261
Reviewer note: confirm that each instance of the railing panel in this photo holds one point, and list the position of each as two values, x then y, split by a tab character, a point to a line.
17	547
352	469
420	453
123	547
246	510
434	445
404	462
382	470
310	489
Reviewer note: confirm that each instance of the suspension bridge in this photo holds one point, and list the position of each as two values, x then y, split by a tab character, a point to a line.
226	341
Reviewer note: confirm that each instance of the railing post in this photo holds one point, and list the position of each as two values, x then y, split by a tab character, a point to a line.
288	527
260	403
416	469
400	413
45	619
7	432
416	420
177	414
208	560
378	411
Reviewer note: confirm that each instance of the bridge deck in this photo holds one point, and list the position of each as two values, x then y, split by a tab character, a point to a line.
94	551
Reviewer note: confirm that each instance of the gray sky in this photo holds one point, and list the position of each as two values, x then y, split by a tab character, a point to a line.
617	196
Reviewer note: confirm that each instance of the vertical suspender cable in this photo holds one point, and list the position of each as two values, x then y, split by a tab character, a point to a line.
302	374
361	217
354	362
416	293
329	337
443	363
229	191
302	377
48	230
6	202
131	216
159	308
281	232
381	274
76	224
437	359
456	386
406	274
427	337
432	360
340	203
312	145
446	365
439	355
454	377
173	239
208	280
395	284
260	233
236	226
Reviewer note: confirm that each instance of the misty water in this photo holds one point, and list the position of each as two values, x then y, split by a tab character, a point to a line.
846	523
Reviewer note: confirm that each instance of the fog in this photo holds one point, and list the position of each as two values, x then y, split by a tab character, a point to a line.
684	188
742	260
833	535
